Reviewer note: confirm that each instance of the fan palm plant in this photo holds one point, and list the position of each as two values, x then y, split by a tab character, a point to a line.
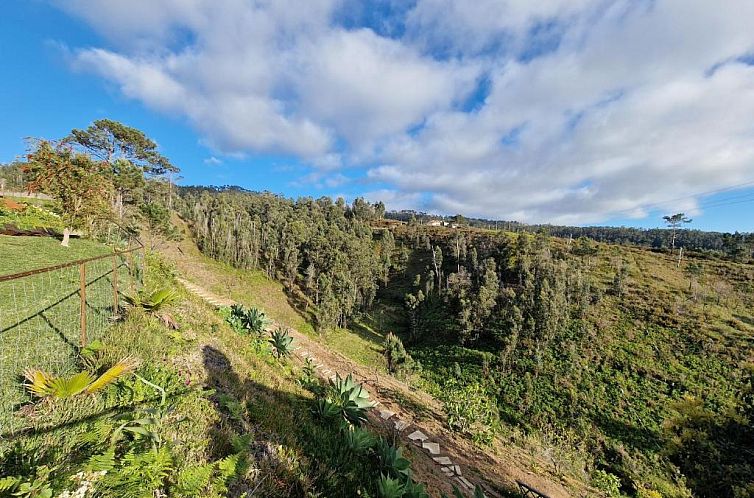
44	385
154	303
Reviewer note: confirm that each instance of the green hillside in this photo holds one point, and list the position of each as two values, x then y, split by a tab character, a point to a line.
619	365
602	350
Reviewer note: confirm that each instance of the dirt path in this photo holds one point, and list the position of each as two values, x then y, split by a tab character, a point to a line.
440	458
402	410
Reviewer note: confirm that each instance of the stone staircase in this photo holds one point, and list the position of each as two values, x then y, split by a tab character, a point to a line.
416	437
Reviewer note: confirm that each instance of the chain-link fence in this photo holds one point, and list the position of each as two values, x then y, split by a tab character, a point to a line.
47	315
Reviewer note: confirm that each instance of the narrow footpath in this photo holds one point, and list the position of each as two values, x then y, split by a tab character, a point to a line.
438	459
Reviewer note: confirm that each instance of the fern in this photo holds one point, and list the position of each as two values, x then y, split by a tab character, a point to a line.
9	484
140	474
229	466
103	461
191	481
196	480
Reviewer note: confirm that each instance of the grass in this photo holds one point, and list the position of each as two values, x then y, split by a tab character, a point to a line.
28	253
36	213
39	314
225	394
250	287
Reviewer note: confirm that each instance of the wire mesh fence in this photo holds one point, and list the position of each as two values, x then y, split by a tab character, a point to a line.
48	315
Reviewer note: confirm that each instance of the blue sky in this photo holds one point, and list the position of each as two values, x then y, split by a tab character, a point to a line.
578	111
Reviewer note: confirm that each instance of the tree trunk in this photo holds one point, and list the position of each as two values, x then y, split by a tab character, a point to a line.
66	237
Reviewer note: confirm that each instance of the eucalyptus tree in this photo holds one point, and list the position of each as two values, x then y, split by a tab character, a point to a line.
675	222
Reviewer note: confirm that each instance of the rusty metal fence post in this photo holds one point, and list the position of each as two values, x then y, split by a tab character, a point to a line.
82	295
116	304
131	272
38	326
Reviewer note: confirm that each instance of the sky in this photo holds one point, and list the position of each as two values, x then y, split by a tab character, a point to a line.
583	112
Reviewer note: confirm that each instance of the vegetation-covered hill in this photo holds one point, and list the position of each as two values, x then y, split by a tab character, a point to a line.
625	367
737	245
616	368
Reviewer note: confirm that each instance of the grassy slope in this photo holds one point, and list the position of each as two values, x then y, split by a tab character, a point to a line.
660	341
221	387
670	335
363	344
19	254
39	213
38	314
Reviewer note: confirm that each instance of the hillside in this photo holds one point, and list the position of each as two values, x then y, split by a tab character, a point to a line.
615	365
209	411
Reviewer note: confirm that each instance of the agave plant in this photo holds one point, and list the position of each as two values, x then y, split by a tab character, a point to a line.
413	489
391	460
359	441
325	409
388	487
308	373
478	493
246	320
255	320
282	343
44	385
351	399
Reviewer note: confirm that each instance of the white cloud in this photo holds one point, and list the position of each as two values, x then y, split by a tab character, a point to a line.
212	161
593	108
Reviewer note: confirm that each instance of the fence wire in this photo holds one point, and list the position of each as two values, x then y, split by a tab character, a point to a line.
43	325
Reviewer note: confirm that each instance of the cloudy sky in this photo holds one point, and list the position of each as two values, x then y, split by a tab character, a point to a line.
563	111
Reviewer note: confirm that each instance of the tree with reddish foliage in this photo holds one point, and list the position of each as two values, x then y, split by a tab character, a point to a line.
79	185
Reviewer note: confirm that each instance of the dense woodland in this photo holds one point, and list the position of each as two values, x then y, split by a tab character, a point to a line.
569	341
321	247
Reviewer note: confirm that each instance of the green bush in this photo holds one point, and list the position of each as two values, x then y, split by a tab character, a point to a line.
606	482
398	360
470	410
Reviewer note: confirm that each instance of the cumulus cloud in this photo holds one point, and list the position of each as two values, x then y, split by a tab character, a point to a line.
568	111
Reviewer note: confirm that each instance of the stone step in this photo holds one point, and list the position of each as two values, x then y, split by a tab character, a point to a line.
401	425
386	414
465	483
417	436
443	460
432	448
